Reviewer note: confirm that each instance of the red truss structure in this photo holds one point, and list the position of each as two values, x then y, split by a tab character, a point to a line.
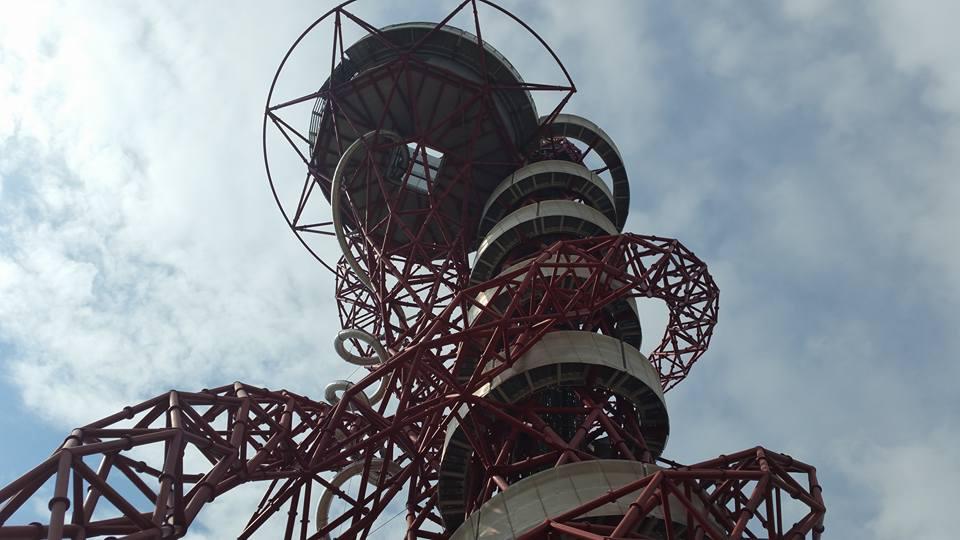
504	392
719	498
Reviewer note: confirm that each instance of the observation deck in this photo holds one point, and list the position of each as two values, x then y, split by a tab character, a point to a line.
452	119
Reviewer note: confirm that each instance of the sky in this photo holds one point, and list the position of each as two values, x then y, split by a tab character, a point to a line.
806	150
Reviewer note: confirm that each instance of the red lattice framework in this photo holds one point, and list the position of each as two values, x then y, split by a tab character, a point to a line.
160	462
289	441
736	496
417	276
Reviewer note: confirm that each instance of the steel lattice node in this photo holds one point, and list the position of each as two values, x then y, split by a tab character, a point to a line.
488	295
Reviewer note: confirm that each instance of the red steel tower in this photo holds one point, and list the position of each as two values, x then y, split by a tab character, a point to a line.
505	395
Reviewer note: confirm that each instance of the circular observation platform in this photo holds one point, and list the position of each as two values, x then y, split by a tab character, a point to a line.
525	231
577	128
461	119
545	180
562	360
552	493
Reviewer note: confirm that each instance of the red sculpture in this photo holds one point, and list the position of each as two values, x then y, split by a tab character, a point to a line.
504	396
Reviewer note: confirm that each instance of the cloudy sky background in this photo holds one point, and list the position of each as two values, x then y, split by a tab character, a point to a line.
807	151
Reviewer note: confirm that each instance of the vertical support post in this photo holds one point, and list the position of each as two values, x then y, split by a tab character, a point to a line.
59	503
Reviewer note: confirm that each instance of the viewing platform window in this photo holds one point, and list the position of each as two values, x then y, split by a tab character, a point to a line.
423	168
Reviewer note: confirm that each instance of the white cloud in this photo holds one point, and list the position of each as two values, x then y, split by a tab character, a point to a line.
911	483
922	39
143	245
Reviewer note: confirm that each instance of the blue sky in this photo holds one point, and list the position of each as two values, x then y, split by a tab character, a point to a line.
807	151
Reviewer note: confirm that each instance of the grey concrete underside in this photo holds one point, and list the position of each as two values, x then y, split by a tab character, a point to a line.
583	130
550	493
560	359
539	221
